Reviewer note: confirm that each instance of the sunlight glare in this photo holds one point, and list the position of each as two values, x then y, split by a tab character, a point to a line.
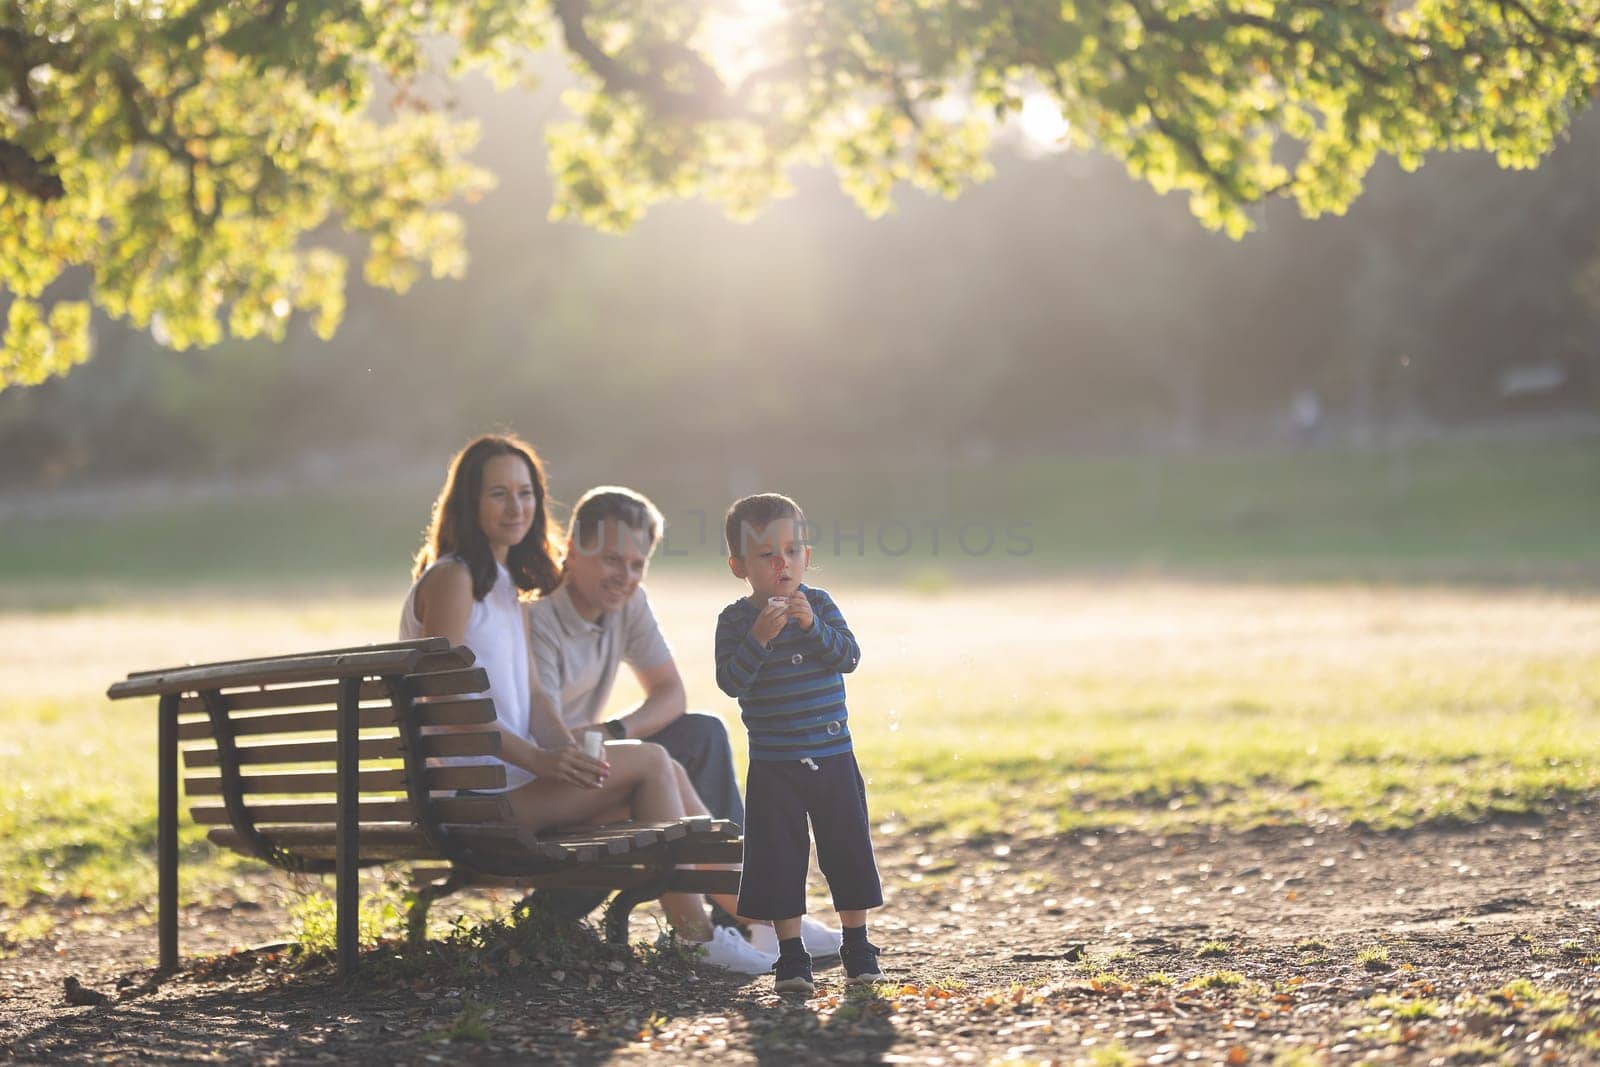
1041	123
734	36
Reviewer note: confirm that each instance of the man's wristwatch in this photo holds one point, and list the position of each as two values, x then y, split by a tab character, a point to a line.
615	728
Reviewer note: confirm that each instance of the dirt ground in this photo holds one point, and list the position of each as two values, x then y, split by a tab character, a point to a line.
1284	945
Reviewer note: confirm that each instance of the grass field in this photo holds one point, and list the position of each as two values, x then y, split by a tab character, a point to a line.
1237	641
1025	707
1479	512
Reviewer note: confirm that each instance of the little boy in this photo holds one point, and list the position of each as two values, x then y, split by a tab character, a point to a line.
782	652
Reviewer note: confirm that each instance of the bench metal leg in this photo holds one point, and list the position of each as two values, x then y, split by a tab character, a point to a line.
626	900
167	831
347	889
421	900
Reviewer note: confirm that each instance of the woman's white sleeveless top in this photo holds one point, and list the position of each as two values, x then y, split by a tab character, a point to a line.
497	635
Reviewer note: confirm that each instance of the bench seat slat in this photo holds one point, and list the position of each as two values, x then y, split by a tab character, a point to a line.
470	712
389	841
680	881
635	835
474	743
688	850
481	776
387	809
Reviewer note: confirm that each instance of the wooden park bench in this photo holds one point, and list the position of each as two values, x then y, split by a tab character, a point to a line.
325	762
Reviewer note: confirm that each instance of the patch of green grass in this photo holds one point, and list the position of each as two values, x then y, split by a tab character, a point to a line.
1095	962
1525	994
312	920
1312	944
470	1025
1473	1050
858	998
1374	958
25	927
1406	1008
1213	950
1159	979
1114	1055
1109	982
1296	1057
1218	980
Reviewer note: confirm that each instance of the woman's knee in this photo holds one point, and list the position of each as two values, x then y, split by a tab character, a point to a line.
641	759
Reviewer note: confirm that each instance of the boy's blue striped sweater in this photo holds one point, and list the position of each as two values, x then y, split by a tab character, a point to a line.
790	693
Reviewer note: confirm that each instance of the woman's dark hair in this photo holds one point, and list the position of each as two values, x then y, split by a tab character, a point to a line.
760	509
631	509
454	529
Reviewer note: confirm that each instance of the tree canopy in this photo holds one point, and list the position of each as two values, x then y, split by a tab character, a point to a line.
188	166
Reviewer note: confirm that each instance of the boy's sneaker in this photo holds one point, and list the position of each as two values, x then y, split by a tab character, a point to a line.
792	974
731	952
819	938
861	962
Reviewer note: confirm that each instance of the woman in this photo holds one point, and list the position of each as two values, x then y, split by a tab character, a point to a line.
489	538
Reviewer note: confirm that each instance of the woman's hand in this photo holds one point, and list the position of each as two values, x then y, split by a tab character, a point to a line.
570	765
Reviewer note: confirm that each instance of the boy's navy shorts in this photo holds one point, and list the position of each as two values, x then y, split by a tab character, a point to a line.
778	797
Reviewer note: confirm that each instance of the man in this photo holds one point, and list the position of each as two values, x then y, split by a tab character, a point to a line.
599	618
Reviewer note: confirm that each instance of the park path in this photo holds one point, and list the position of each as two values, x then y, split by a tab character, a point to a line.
1290	945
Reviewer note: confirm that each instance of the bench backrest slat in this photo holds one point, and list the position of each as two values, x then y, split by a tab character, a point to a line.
387	661
288	696
449	683
483	776
477	743
421	644
468	712
385	809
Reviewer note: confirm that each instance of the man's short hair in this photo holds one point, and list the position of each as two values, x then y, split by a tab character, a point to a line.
758	509
631	509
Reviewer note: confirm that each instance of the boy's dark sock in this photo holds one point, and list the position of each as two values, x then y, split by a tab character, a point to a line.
855	935
791	946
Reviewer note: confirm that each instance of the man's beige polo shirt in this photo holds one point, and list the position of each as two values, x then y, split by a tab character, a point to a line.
575	660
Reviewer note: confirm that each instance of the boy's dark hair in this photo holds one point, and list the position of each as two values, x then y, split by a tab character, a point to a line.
758	509
631	509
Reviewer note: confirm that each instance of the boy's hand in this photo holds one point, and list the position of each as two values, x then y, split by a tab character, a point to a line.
770	623
799	609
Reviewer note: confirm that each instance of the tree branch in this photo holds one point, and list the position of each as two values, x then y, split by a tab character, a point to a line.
709	99
36	177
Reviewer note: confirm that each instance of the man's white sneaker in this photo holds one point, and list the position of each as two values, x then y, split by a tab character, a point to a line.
731	952
819	938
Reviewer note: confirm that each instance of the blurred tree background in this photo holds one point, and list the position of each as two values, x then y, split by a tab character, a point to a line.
1058	305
